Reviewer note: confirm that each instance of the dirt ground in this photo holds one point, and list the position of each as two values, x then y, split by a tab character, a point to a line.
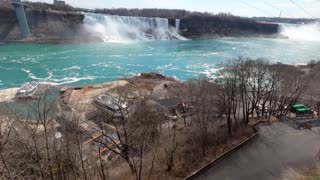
7	94
79	98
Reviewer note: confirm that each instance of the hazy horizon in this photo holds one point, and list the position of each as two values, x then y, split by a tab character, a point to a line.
248	8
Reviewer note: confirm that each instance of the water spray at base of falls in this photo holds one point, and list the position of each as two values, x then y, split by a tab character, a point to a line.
302	32
112	28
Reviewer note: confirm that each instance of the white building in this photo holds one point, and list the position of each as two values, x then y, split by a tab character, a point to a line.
59	3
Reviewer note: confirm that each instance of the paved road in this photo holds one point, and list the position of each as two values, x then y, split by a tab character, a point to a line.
277	148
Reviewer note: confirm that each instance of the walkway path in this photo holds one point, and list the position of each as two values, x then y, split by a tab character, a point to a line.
277	148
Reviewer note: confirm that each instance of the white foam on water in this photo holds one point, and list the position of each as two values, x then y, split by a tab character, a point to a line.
305	32
132	65
209	54
5	68
71	68
125	29
211	70
32	76
102	64
165	67
55	81
119	68
67	80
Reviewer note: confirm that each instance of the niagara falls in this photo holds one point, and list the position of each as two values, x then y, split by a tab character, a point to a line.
159	89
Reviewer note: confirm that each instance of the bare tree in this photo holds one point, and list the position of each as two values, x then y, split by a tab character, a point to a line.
204	98
134	131
5	131
253	87
288	91
228	96
170	148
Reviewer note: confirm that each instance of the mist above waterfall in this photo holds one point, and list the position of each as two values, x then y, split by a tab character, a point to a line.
112	28
305	32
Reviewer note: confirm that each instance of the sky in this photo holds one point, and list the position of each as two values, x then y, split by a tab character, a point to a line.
247	8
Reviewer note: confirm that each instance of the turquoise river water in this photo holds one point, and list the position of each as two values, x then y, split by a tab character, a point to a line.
100	62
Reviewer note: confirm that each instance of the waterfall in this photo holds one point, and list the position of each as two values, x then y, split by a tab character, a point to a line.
177	25
302	32
112	28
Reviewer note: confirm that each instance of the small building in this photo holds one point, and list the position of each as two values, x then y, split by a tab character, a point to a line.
110	104
59	3
28	90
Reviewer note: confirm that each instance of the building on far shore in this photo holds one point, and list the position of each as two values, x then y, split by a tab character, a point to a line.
59	3
5	3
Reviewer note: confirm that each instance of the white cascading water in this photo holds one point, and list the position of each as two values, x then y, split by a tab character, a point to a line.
302	32
112	28
178	25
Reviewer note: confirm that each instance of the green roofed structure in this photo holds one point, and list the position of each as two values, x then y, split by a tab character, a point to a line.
301	109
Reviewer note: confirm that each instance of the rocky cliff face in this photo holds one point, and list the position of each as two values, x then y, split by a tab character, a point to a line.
8	24
44	25
54	24
198	26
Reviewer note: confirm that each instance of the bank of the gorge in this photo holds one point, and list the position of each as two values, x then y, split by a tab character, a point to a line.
58	27
176	126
